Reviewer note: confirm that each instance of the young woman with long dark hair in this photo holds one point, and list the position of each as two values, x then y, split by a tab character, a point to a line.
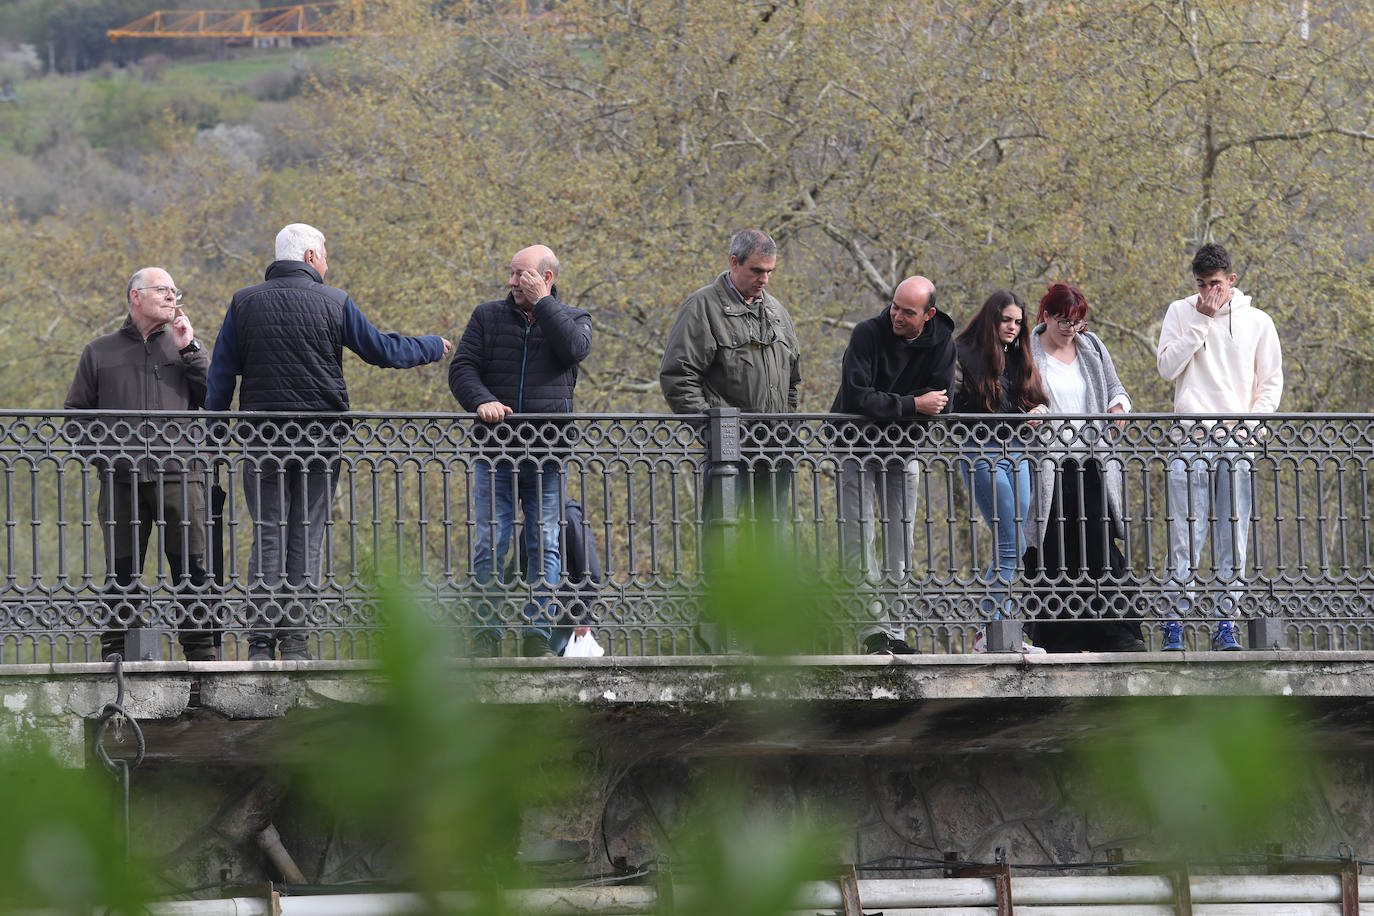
996	375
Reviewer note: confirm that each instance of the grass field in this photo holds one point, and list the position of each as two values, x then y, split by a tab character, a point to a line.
248	64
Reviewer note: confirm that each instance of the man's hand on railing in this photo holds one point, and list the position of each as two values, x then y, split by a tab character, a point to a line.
931	403
493	412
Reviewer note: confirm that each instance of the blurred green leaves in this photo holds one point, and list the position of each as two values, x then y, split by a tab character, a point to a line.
451	778
745	859
761	595
62	845
1215	775
430	766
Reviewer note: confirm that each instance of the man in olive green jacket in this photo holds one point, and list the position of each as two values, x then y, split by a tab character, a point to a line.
733	345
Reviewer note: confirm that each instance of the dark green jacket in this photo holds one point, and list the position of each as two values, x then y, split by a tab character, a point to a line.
723	353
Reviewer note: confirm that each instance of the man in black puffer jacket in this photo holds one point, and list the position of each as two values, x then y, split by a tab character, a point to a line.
285	339
520	355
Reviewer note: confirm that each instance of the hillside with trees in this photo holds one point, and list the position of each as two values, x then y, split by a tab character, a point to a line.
984	143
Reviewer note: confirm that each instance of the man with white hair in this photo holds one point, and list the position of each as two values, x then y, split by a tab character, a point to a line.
153	362
284	339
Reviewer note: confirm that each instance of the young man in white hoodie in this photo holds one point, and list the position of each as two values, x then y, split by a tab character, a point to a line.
1223	356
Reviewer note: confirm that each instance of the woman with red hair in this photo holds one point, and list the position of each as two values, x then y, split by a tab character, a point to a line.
1075	506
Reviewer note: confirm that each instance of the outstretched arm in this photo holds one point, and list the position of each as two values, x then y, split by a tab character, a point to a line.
391	351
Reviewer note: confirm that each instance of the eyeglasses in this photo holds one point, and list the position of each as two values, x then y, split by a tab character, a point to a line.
1068	324
161	291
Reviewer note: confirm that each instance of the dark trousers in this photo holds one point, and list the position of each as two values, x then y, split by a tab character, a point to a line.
1078	575
763	504
130	512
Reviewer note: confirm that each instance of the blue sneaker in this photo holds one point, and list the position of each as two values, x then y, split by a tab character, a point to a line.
1224	639
1173	636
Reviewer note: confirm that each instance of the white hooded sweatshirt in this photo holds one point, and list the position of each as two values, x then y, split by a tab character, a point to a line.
1229	363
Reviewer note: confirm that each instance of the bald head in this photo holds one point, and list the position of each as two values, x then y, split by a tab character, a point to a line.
913	303
539	265
916	292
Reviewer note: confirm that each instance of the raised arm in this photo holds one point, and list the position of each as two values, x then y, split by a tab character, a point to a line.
567	330
1183	333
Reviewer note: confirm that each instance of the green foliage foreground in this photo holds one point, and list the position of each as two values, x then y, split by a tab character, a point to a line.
450	775
62	845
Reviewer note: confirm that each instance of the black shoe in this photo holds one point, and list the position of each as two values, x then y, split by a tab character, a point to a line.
293	649
537	646
261	652
1123	643
485	645
200	653
881	643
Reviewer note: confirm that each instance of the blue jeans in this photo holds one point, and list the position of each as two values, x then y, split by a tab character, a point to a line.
1210	489
540	489
1001	487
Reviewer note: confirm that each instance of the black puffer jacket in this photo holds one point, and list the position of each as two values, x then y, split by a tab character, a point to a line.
285	338
530	366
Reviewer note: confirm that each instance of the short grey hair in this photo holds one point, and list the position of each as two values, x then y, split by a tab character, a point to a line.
296	239
749	242
549	262
135	279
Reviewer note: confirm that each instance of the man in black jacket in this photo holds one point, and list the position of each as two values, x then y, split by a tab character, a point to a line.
520	355
899	366
153	362
282	341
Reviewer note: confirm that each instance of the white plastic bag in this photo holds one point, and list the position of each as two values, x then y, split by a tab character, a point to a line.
583	645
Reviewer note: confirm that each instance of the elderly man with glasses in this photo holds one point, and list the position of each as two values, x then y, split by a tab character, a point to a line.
153	362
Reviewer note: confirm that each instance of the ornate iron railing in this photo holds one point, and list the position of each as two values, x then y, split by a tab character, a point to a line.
408	490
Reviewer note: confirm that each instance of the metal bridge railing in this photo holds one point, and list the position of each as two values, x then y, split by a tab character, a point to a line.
672	504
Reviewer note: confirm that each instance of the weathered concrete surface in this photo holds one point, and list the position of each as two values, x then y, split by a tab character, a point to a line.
38	701
815	705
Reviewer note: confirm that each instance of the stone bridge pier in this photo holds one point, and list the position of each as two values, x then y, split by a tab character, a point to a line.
914	757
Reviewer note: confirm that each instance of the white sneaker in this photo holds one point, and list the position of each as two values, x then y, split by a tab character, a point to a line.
980	644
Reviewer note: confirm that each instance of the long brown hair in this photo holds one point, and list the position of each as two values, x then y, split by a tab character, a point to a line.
981	337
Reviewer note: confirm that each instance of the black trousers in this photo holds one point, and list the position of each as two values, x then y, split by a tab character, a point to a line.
130	512
1080	593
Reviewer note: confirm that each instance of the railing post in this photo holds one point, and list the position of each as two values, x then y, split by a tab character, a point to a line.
721	502
1268	633
1004	635
722	481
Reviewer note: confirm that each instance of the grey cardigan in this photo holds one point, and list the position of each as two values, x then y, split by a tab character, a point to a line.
1104	386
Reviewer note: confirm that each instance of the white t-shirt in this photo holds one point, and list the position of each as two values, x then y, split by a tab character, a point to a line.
1067	388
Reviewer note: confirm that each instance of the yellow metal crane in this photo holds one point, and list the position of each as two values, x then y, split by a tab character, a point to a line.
328	19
